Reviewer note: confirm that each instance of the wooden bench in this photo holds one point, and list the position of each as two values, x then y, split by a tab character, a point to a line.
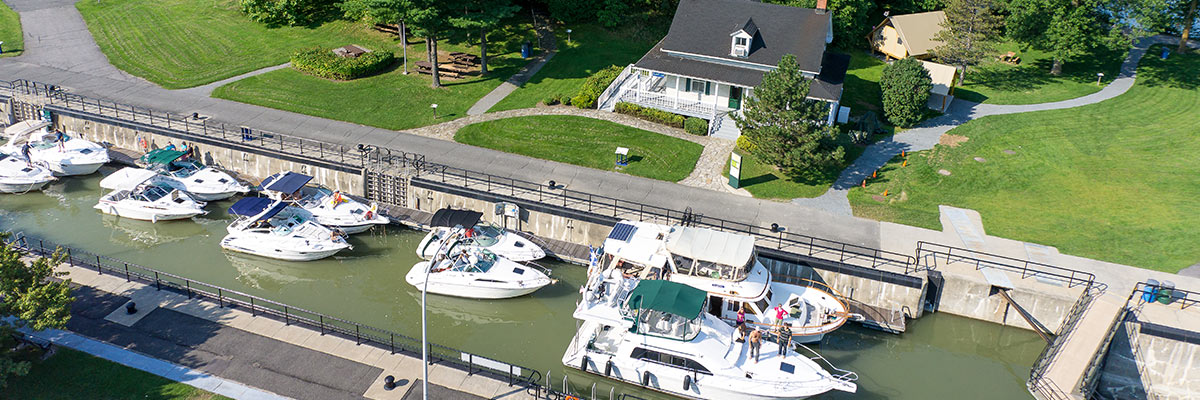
1010	58
425	67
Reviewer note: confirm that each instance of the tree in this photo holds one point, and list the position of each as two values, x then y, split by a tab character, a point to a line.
484	16
787	127
1069	28
27	293
967	34
429	20
287	12
1189	20
390	12
905	84
851	18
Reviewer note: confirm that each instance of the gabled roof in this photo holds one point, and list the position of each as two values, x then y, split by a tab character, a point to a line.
942	76
917	31
668	297
702	27
827	86
749	28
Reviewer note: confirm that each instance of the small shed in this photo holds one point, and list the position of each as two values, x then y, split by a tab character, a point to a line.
942	93
351	51
908	35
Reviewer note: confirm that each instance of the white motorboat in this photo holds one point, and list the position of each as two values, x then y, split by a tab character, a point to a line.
58	152
270	228
655	334
203	182
727	267
138	194
502	242
329	208
19	176
463	270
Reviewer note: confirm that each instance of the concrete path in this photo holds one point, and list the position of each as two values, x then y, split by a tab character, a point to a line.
512	83
191	377
927	134
207	90
56	35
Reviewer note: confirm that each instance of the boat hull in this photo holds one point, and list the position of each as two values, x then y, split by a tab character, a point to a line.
351	229
416	278
64	169
213	196
139	213
246	245
22	187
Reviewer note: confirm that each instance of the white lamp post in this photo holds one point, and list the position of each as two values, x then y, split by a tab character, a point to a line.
1099	75
568	36
434	107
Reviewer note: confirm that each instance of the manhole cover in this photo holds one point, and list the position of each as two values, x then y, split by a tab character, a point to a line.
980	159
944	172
1010	152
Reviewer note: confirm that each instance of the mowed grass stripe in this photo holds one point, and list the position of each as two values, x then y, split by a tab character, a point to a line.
586	142
1116	181
10	32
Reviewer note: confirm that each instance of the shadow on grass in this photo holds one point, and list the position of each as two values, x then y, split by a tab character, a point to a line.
764	178
1179	70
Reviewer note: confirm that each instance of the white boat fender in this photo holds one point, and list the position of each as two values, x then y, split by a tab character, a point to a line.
857	317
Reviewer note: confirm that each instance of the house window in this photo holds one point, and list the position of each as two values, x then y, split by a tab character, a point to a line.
697	86
741	46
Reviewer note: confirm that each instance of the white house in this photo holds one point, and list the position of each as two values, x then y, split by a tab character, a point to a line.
717	51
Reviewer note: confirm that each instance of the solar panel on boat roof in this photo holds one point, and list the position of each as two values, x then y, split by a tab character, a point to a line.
622	232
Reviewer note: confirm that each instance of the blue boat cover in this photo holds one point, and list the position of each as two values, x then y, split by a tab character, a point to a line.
251	206
289	183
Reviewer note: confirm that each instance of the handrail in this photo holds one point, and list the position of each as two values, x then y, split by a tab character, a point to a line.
616	208
1027	268
363	334
1188	298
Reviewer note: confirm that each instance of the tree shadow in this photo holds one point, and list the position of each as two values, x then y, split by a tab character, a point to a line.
1179	70
764	178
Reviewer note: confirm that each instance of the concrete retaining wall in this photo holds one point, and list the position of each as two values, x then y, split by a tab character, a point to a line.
573	229
968	295
248	163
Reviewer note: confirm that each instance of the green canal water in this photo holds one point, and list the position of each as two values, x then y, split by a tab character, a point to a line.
940	356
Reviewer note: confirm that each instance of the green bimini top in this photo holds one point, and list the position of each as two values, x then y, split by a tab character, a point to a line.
161	156
669	297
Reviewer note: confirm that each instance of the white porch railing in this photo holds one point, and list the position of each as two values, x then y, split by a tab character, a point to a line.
691	108
604	102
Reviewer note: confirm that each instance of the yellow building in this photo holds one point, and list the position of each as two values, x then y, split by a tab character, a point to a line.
909	35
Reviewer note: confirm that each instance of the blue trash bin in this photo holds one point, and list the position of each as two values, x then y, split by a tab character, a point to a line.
1166	52
1150	291
526	49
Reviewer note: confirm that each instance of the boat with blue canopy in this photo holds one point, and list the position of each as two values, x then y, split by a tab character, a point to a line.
271	228
328	207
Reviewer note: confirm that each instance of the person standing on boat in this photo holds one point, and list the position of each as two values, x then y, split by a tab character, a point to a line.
785	338
62	140
740	323
25	148
755	343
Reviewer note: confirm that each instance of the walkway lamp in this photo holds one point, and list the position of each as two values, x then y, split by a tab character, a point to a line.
425	326
434	107
1099	76
568	37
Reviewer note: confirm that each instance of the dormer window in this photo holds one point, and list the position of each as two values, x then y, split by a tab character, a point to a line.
743	37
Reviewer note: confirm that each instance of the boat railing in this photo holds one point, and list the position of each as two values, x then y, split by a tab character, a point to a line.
513	374
837	373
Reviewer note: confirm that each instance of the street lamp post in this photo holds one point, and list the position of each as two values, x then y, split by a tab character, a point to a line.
424	326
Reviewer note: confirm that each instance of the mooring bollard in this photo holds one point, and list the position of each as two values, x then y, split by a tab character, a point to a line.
389	382
131	308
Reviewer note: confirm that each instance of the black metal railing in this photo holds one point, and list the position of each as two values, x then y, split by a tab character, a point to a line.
616	208
1027	268
358	156
514	374
1185	298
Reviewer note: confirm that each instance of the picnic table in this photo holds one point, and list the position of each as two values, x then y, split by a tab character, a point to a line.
425	67
464	58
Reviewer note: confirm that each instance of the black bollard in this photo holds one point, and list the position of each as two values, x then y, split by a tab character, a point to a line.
131	308
389	382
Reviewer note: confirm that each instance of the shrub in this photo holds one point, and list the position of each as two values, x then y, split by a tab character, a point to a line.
695	126
325	64
594	86
287	12
745	144
905	85
552	99
650	114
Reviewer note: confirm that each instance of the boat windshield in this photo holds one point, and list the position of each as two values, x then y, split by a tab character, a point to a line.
671	326
184	169
474	262
153	193
486	235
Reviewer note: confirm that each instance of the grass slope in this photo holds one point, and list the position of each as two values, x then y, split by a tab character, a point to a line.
70	375
1030	82
1116	181
10	32
586	142
592	48
185	43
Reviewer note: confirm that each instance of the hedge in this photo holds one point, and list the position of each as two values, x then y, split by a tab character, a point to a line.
695	126
745	144
650	114
324	63
591	89
557	98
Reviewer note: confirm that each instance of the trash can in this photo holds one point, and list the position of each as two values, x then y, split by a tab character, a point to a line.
1150	291
1166	52
1166	292
526	49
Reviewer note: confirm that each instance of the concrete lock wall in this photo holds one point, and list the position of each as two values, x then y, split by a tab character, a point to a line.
1158	367
968	296
868	291
248	165
542	224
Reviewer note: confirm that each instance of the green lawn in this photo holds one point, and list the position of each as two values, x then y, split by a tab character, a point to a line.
586	142
764	181
1116	181
861	88
10	32
1030	82
185	43
592	48
71	375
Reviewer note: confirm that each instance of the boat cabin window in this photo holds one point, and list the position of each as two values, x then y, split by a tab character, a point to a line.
184	169
153	193
671	326
485	235
682	264
762	305
711	270
664	358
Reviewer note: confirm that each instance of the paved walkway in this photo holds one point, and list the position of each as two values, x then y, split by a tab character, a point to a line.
191	377
207	90
927	134
547	41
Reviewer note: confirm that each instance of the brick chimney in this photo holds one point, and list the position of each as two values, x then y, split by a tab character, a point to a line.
821	6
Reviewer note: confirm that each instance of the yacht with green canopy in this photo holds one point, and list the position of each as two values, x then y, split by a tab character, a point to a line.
204	182
656	334
270	228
